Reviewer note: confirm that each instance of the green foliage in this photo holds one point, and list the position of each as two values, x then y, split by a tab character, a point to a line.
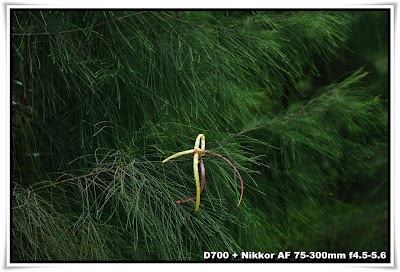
101	98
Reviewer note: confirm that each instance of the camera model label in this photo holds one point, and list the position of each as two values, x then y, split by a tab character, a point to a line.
295	255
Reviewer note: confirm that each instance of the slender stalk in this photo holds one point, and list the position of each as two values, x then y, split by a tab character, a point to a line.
178	154
237	172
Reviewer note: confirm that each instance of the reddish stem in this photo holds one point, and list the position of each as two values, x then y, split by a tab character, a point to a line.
237	172
203	177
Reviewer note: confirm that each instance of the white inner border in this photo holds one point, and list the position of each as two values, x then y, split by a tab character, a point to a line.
205	4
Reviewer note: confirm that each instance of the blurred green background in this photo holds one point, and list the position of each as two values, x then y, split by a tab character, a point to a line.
297	100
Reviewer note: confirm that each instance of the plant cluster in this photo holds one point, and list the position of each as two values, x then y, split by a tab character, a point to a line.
100	98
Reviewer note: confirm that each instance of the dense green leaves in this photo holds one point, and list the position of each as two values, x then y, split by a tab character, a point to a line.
100	98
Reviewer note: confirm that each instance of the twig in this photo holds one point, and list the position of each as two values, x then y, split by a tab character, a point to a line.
173	29
293	115
180	20
78	29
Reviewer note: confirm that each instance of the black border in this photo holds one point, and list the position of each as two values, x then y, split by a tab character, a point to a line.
389	15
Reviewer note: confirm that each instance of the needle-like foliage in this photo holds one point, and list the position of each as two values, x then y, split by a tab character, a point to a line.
100	98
